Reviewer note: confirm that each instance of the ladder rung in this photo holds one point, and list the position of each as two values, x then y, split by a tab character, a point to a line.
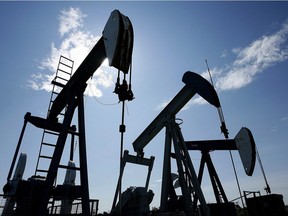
44	156
65	58
48	144
54	92
67	167
64	70
67	65
57	84
38	176
51	132
40	170
62	78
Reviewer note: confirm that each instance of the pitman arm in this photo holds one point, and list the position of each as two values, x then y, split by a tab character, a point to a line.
194	84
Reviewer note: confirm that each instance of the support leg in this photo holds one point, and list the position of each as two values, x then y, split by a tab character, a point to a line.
83	157
183	160
166	175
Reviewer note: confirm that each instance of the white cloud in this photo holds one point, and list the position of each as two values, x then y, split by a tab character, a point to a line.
250	61
70	20
100	78
75	45
254	59
224	53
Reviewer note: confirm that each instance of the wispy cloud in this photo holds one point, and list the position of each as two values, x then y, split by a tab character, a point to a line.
284	119
259	55
224	53
250	61
279	126
75	44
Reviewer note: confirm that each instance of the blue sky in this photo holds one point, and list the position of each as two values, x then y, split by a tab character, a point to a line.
245	44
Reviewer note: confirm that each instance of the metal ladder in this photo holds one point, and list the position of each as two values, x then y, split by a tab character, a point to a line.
49	138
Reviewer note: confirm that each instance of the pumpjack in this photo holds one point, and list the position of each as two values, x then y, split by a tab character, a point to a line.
38	195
